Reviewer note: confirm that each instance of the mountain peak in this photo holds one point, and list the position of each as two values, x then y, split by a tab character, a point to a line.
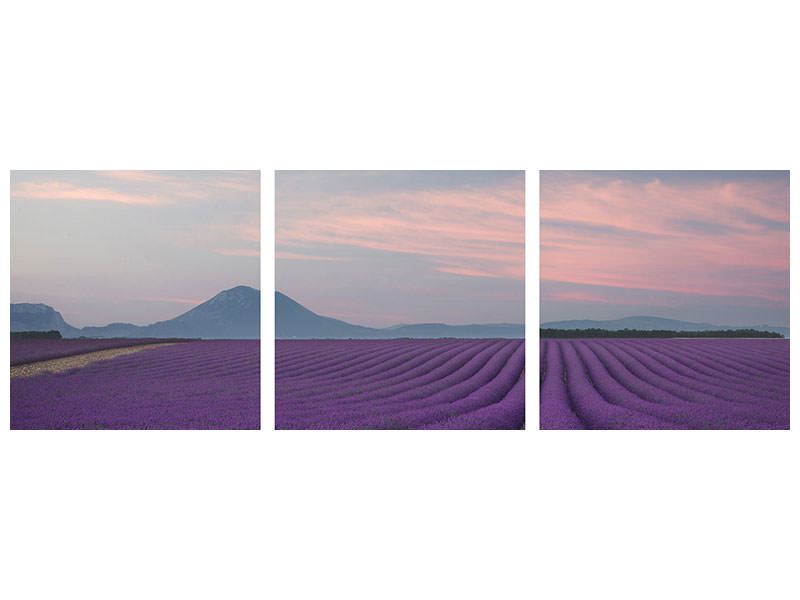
241	294
242	289
234	314
31	308
29	316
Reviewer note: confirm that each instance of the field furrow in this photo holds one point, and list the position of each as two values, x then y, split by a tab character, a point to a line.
556	409
209	384
677	377
400	384
431	372
597	411
397	368
665	383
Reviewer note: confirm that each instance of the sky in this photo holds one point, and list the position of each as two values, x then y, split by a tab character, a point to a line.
702	246
383	248
132	246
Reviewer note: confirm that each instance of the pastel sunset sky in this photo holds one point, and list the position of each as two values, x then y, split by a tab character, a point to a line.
706	246
382	248
132	246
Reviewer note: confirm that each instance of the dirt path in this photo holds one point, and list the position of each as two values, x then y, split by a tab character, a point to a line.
57	365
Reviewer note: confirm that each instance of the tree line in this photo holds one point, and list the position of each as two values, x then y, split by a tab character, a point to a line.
655	333
53	334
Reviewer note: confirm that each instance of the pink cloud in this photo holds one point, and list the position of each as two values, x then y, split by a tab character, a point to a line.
237	185
238	252
472	232
65	191
685	238
295	256
221	180
469	272
648	208
588	297
137	176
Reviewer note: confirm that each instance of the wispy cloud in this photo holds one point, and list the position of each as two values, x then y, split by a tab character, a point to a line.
471	231
242	181
666	233
296	256
58	191
151	188
554	296
98	242
238	251
470	272
161	177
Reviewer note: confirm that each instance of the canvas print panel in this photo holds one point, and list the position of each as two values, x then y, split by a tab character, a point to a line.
135	300
399	300
664	300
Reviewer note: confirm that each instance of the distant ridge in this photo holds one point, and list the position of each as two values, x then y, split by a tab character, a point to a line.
231	314
293	320
654	323
27	316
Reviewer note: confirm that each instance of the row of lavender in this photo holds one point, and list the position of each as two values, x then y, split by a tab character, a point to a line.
664	384
400	384
28	350
210	384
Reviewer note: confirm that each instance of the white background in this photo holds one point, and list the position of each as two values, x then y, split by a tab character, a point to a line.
412	85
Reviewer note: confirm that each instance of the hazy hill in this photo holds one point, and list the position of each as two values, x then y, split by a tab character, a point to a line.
653	323
293	320
26	316
232	314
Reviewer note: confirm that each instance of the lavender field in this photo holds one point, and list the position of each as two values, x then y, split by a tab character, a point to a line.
27	350
209	384
664	383
400	384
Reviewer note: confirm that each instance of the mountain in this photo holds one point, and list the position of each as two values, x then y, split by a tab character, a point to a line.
293	320
650	323
231	314
38	317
